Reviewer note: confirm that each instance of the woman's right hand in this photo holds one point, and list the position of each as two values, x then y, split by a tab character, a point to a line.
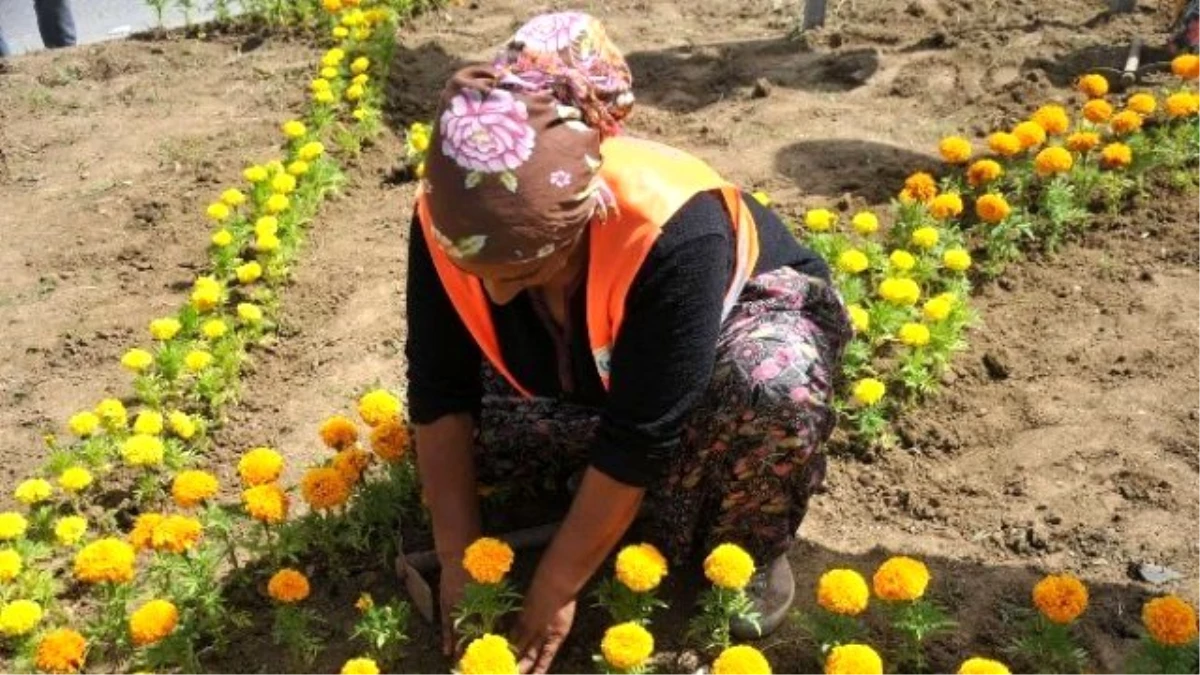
450	592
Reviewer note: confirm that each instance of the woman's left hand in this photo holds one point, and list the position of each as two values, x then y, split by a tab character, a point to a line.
542	627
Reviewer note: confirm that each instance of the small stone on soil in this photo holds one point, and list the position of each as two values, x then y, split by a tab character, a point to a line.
996	367
762	88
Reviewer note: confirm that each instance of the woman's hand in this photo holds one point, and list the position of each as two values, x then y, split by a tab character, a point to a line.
450	591
544	624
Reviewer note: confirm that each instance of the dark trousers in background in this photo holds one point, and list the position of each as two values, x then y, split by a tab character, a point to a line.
55	24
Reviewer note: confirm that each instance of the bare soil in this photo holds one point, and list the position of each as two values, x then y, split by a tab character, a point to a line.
1065	438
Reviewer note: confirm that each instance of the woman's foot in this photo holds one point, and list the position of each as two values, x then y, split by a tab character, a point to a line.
772	590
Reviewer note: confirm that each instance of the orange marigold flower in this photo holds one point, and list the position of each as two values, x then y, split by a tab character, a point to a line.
992	208
641	567
152	622
390	440
142	534
288	586
1093	85
267	503
1186	66
843	592
946	206
1004	144
192	488
324	488
61	651
955	149
919	187
1030	134
983	171
351	463
1052	118
1183	104
1060	598
856	659
901	578
1142	103
729	566
1170	621
1053	160
981	666
1097	111
105	560
176	534
488	560
1083	141
1116	156
259	466
1126	122
339	432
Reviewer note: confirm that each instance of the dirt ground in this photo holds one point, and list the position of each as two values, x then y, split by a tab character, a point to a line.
1064	439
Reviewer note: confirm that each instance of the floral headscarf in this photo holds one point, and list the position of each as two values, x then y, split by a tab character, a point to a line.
511	174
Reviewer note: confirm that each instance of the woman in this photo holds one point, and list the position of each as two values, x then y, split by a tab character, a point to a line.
582	301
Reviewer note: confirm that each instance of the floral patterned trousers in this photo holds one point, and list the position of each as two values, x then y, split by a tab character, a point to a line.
750	456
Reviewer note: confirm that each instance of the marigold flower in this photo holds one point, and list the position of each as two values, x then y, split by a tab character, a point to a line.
1116	156
955	149
332	6
1060	598
360	666
61	651
946	206
192	488
1093	85
152	622
900	291
729	566
361	79
10	565
137	360
266	243
859	318
267	503
249	313
641	567
1030	134
865	223
33	490
142	534
981	666
294	129
288	586
1083	141
320	84
1052	118
1126	122
206	294
901	579
105	560
84	424
843	592
1186	66
820	220
181	424
297	168
284	183
378	406
214	329
1097	111
148	422
233	197
925	237
324	488
1142	103
983	172
74	479
340	32
853	659
919	187
902	260
251	271
914	334
389	440
338	432
1053	160
165	328
351	463
626	646
1170	621
142	450
488	655
853	261
254	174
260	466
1183	104
12	525
222	238
311	151
741	660
19	617
360	65
1005	144
956	259
992	208
333	57
324	97
354	92
939	307
218	211
277	203
68	530
488	560
176	534
364	602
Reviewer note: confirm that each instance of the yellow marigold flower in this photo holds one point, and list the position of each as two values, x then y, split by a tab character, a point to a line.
362	34
865	223
820	220
626	646
956	259
32	491
338	432
1170	621
137	360
900	291
214	329
741	660
266	243
853	659
939	307
419	172
360	65
260	466
1097	111
992	208
354	92
311	151
165	328
729	566
641	567
1030	134
859	318
192	488
901	579
10	565
218	211
251	271
389	440
351	463
919	187
955	149
902	260
364	602
340	33
12	525
68	530
148	422
360	666
1186	66
853	261
284	183
1053	119
266	225
1060	598
378	406
1183	104
267	503
19	617
222	238
278	203
332	6
983	172
254	174
182	424
1116	156
946	206
488	560
288	586
320	84
84	424
1126	122
925	237
61	651
914	334
249	313
324	97
112	413
981	666
105	560
196	361
142	450
333	57
298	167
843	592
324	488
152	622
233	197
176	534
206	294
74	479
1143	104
1083	141
1093	85
1004	144
1053	160
294	129
488	655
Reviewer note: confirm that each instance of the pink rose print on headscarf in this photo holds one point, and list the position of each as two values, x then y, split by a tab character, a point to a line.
560	178
487	133
552	32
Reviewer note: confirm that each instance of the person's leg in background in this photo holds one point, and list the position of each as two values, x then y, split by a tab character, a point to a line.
55	23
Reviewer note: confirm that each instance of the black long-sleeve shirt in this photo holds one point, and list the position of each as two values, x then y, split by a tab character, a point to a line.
662	359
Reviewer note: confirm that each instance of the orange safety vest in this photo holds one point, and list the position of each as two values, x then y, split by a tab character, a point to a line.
651	182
